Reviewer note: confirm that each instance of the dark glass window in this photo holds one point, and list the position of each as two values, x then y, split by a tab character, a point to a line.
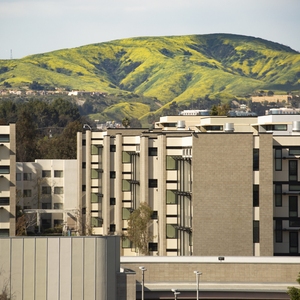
293	170
278	195
112	227
112	148
4	138
112	201
278	231
154	215
4	169
278	159
4	200
152	183
255	195
152	151
293	206
255	231
152	246
255	159
112	174
294	151
293	242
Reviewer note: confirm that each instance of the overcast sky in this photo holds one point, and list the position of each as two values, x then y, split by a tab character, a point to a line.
38	26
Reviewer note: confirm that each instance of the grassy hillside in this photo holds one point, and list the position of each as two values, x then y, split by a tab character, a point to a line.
179	68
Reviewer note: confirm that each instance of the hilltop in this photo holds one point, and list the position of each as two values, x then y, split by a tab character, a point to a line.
144	75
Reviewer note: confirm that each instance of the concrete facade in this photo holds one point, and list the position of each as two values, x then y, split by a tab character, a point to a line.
60	267
8	180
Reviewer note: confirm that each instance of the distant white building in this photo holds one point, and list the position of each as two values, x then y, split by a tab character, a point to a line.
49	188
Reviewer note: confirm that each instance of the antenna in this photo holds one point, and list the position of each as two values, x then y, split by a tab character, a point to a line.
11	57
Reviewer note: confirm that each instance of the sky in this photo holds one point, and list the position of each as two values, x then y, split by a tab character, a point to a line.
38	26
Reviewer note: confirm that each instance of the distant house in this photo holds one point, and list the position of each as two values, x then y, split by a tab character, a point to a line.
274	98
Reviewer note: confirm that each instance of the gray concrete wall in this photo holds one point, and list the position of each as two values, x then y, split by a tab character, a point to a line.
60	268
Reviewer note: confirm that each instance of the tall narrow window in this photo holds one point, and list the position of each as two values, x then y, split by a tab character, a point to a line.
278	159
255	231
278	231
255	195
294	242
293	170
278	195
255	159
293	206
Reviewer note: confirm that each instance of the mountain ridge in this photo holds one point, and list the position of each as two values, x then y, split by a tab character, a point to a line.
173	68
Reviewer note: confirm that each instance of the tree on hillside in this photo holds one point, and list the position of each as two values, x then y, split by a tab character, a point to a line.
220	110
26	138
294	292
126	122
138	228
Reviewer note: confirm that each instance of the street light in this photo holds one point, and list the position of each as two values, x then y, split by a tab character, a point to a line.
143	269
175	293
197	280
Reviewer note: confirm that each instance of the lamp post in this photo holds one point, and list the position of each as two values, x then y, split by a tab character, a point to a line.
143	269
175	293
197	280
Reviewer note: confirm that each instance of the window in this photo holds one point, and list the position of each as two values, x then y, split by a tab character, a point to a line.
294	151
294	242
294	187
96	222
58	190
4	138
126	243
293	170
83	188
46	190
154	215
126	185
94	150
18	176
152	151
58	206
171	231
27	176
278	231
152	183
112	227
126	213
27	193
94	174
58	173
112	148
255	159
276	127
278	159
255	231
112	201
255	195
4	169
152	246
46	173
214	128
171	197
4	232
46	205
293	206
58	223
278	195
171	163
46	223
294	223
112	174
96	197
4	200
84	165
126	157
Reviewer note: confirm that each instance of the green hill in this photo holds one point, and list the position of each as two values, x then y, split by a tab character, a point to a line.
164	69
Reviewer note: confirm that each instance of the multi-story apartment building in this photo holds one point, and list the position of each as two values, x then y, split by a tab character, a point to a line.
47	191
7	179
227	187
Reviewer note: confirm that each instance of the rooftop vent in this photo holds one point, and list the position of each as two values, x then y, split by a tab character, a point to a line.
296	126
229	127
181	125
